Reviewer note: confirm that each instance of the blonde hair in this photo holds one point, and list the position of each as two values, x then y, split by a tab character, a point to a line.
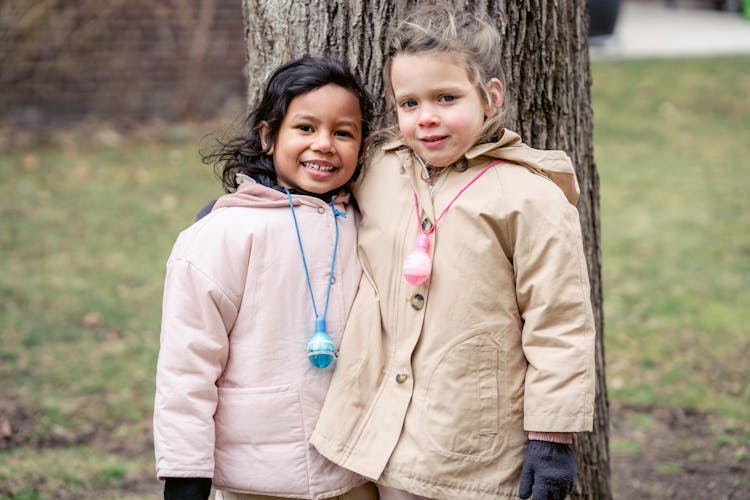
472	39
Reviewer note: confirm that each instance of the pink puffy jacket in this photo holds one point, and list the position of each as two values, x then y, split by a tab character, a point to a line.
236	397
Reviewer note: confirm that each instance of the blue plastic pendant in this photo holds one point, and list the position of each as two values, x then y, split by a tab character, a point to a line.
320	348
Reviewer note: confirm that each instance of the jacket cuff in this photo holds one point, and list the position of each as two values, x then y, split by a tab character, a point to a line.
554	437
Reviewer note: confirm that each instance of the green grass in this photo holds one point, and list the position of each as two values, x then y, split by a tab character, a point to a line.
87	228
671	140
76	472
86	232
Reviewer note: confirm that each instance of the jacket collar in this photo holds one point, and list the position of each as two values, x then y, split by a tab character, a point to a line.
553	164
251	194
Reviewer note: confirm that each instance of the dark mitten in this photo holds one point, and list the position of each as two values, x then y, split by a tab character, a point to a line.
205	210
187	488
549	469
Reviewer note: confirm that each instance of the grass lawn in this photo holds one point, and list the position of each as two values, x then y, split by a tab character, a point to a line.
671	149
87	227
671	141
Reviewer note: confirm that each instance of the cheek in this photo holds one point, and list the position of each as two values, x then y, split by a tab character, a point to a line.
466	124
405	125
350	155
464	120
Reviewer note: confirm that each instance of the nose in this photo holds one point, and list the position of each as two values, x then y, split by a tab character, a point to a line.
323	143
427	117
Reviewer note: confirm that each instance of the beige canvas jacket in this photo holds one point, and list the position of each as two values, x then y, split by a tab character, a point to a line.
437	384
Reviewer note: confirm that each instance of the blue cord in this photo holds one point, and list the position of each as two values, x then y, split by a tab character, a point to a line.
336	213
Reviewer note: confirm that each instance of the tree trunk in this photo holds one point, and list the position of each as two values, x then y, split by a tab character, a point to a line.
548	94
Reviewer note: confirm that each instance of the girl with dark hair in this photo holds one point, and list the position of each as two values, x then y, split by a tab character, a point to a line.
249	154
256	296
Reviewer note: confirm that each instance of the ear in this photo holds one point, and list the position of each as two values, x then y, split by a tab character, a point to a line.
497	96
264	137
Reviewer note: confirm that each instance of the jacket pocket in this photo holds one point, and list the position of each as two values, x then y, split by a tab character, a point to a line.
260	440
487	390
462	414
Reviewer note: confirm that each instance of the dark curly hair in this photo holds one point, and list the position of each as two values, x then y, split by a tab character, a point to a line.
245	153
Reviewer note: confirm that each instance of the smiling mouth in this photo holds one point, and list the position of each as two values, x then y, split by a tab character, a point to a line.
318	167
433	138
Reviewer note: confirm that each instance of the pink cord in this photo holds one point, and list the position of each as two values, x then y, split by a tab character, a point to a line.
416	201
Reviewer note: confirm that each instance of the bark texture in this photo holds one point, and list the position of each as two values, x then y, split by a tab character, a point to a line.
547	93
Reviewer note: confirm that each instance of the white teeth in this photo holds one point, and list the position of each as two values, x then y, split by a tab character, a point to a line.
320	168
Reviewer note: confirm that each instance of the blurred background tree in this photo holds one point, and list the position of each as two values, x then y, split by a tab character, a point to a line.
125	60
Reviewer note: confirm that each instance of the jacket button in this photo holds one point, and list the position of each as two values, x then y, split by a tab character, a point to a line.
417	301
401	378
426	224
321	210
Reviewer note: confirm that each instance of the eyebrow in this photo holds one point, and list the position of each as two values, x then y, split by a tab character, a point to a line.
313	118
448	89
349	123
301	116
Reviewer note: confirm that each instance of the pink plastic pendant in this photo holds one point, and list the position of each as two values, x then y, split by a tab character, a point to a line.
418	264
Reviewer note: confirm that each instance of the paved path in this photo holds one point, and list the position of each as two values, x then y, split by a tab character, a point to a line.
652	29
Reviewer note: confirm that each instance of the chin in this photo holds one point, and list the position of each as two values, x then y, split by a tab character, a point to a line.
317	189
439	162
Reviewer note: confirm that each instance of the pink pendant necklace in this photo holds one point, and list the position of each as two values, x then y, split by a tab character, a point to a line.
418	264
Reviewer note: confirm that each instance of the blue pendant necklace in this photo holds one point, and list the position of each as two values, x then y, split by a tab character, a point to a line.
320	349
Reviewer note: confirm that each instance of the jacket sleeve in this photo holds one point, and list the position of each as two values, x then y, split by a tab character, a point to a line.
552	292
197	315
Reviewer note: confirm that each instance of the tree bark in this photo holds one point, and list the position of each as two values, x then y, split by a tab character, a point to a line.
548	95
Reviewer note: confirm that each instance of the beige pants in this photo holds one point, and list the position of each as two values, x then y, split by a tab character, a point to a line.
367	491
387	493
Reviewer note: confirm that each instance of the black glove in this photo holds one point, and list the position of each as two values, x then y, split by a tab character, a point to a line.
549	469
187	488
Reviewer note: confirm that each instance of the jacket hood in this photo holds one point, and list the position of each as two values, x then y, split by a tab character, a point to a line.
553	164
253	195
